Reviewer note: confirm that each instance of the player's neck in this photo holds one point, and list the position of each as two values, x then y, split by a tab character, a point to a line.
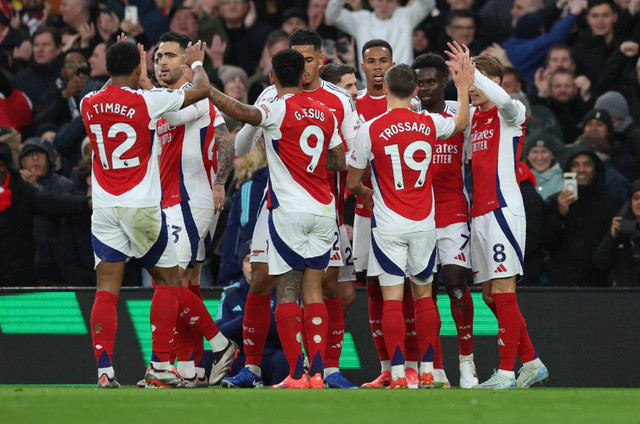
396	103
374	91
314	85
283	91
486	106
437	107
178	84
126	81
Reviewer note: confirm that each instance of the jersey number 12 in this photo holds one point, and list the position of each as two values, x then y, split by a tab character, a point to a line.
116	156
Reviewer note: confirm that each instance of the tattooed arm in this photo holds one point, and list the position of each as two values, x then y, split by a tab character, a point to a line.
235	109
288	286
225	164
336	160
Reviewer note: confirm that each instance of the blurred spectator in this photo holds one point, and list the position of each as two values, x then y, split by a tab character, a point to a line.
498	17
34	15
19	202
388	21
568	101
246	40
12	46
274	366
234	82
558	57
460	27
599	42
316	10
37	159
625	130
73	76
294	19
530	42
276	41
619	251
38	80
542	152
575	226
78	14
16	109
420	41
598	122
511	81
535	210
209	24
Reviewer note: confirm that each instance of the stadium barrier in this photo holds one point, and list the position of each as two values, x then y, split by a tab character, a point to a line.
586	337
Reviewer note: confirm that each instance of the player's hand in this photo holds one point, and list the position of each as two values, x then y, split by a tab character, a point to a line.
145	81
187	72
615	226
216	51
194	52
218	197
367	198
121	38
565	198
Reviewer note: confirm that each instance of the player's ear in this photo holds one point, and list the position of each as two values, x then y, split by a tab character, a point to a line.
415	92
272	78
305	78
385	90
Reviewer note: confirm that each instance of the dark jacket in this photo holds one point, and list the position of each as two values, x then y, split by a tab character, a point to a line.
16	227
571	239
569	114
589	53
534	207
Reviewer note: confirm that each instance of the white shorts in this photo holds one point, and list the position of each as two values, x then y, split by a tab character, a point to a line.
121	233
453	245
260	239
188	229
299	240
497	245
392	254
205	242
361	241
342	256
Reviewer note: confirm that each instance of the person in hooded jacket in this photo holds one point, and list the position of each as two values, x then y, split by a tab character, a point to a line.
576	224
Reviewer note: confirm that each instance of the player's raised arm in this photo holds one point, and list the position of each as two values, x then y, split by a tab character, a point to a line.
226	154
336	156
193	57
463	71
235	109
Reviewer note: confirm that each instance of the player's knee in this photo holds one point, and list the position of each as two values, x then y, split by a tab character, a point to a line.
348	299
262	283
486	297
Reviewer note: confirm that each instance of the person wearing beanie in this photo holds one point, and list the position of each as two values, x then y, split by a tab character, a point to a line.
599	122
274	366
575	225
541	152
19	204
619	251
625	130
530	43
234	82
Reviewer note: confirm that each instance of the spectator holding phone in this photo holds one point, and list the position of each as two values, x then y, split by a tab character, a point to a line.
576	222
619	251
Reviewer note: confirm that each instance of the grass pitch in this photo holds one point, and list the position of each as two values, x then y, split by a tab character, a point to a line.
81	404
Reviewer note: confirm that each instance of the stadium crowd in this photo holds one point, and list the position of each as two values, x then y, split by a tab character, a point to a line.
571	67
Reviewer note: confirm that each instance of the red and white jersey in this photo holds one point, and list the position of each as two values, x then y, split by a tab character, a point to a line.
341	105
398	144
121	124
188	161
298	131
368	107
448	176
496	144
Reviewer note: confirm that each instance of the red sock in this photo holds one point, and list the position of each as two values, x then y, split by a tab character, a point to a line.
393	326
192	307
375	320
426	327
305	341
198	347
411	348
492	306
509	326
437	354
104	322
335	332
289	325
195	288
163	314
525	347
316	323
462	313
183	340
255	327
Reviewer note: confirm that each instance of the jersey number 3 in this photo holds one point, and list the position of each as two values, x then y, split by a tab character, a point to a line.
116	156
422	166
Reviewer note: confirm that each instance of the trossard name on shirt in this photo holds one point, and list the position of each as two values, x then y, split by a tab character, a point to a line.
394	129
111	108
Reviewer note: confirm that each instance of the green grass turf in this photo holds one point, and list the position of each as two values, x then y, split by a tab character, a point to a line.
75	404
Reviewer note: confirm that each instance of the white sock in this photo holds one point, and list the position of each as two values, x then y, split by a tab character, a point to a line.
397	371
385	365
187	369
108	370
200	372
533	364
254	369
466	358
329	371
161	366
510	374
411	364
219	342
426	367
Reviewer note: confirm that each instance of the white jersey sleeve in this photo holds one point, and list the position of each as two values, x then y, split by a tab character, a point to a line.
246	138
361	152
187	114
512	110
444	126
160	101
335	138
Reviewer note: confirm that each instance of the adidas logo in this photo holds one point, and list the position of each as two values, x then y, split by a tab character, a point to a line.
466	337
461	257
193	320
248	342
475	274
500	342
377	333
336	257
500	268
237	308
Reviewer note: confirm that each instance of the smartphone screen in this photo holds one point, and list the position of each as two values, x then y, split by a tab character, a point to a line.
131	13
570	182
